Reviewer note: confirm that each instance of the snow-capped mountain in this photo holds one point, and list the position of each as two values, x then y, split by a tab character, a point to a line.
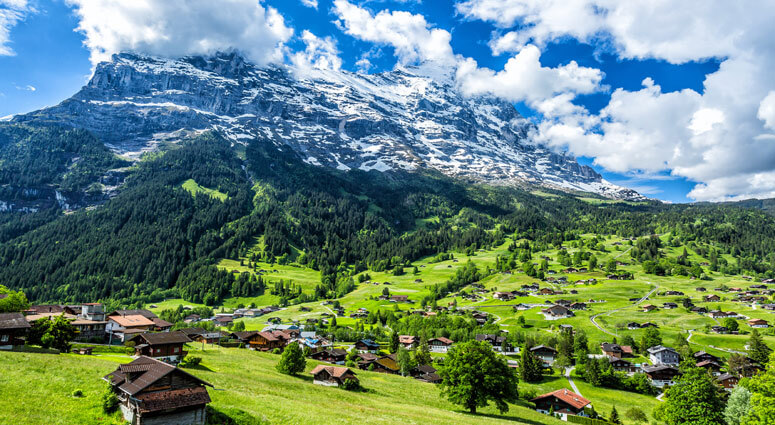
394	120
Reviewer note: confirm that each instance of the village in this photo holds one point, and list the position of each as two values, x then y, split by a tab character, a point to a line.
158	385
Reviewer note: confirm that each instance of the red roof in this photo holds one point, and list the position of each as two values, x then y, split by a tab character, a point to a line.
336	372
566	396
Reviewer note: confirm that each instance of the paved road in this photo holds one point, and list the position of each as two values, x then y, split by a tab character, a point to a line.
573	386
645	297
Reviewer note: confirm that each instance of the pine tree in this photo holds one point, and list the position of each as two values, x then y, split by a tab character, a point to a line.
758	351
292	360
394	342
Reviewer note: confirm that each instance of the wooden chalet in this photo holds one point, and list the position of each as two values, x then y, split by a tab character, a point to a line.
367	346
425	373
620	365
661	375
562	402
408	341
711	366
165	346
124	324
616	350
386	364
13	330
440	344
334	355
151	392
331	375
545	353
727	381
556	312
702	356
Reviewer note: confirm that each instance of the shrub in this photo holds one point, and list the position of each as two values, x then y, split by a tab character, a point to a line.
191	361
528	394
109	400
77	393
276	351
351	385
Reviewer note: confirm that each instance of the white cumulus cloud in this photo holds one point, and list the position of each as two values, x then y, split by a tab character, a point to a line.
181	27
320	53
721	137
11	13
310	3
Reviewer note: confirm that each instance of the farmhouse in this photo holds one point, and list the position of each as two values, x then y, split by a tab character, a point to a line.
496	341
556	312
366	346
164	346
711	366
400	299
440	344
758	323
503	296
727	381
331	375
669	306
616	350
151	392
719	329
426	373
620	365
711	298
661	375
545	353
13	329
661	355
702	356
562	402
334	355
124	327
649	307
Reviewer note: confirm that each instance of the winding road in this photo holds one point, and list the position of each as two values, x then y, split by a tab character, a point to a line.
644	298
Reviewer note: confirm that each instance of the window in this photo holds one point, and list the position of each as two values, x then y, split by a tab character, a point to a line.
176	350
158	350
3	338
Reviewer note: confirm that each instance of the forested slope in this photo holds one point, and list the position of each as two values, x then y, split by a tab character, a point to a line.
156	239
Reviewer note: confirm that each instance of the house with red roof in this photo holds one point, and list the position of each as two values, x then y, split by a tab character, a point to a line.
331	376
562	402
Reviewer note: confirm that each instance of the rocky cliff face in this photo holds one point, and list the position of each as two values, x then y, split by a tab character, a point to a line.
394	120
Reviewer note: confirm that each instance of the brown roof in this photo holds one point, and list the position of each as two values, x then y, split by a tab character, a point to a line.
243	335
161	323
152	369
159	338
568	397
13	321
407	339
445	341
269	336
336	372
142	312
163	400
132	320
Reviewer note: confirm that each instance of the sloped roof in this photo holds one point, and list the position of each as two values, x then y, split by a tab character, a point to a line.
445	341
161	322
336	372
566	396
132	320
152	370
13	321
159	338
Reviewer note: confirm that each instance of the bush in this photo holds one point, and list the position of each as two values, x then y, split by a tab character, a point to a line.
528	394
191	361
276	351
351	385
77	393
109	400
636	415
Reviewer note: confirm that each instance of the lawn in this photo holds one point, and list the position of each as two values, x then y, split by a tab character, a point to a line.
243	380
192	187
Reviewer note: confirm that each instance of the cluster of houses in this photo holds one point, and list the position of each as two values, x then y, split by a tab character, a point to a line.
663	369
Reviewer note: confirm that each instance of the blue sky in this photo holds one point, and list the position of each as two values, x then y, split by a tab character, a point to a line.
50	62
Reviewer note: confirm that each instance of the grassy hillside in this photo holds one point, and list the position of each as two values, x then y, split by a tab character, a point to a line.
243	380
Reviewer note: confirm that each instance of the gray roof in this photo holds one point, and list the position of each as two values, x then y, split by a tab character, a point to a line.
13	321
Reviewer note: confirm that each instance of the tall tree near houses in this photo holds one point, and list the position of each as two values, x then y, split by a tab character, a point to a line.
394	342
738	405
695	399
473	376
758	351
762	387
292	360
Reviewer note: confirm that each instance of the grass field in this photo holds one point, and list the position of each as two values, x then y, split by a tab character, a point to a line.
195	189
243	380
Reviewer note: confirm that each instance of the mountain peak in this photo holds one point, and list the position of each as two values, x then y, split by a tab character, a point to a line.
408	118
